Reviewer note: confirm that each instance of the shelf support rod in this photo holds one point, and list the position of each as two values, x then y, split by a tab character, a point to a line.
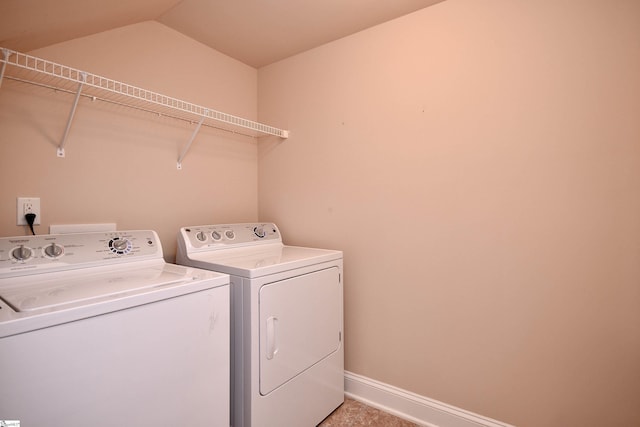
5	59
83	78
193	136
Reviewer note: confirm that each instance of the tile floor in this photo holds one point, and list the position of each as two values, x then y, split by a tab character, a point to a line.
354	414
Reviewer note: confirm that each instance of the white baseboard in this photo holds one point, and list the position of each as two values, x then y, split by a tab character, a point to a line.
410	406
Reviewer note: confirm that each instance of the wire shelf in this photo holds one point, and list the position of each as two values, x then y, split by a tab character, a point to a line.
41	72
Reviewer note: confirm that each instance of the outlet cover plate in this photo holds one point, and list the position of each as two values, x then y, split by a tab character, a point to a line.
26	205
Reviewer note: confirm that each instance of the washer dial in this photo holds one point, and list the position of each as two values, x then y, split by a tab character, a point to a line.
120	245
21	253
259	231
53	250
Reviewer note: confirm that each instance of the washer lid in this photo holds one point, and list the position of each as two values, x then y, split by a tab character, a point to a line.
32	302
262	260
51	293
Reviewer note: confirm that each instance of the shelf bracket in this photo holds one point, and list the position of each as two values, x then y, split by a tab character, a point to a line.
83	78
193	136
5	59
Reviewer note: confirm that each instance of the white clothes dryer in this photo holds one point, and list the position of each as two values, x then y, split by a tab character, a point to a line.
287	322
97	330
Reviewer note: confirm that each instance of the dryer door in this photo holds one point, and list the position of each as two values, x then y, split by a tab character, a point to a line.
300	324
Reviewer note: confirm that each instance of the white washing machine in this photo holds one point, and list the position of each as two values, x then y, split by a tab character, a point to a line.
97	330
287	322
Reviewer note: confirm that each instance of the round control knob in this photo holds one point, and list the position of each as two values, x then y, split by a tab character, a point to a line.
259	231
230	234
201	236
21	253
120	244
216	235
53	250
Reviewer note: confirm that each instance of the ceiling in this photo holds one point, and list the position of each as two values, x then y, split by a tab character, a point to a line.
255	32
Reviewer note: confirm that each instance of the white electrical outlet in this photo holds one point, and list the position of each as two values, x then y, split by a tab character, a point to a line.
28	205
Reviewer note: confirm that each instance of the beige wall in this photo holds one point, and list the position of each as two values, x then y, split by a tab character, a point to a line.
120	165
479	164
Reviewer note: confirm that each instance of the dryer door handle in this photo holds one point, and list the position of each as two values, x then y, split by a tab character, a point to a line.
272	347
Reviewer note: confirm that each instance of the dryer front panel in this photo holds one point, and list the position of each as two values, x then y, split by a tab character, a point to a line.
300	324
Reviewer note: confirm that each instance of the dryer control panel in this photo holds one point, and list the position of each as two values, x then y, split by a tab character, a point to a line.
51	252
226	236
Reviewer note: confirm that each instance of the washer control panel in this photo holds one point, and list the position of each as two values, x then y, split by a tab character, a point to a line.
65	251
228	235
